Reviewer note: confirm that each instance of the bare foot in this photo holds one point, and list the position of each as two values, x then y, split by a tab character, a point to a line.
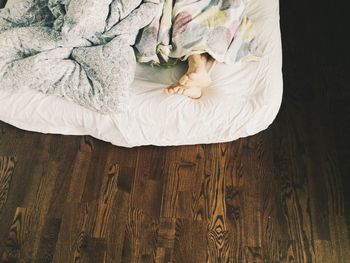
192	92
196	78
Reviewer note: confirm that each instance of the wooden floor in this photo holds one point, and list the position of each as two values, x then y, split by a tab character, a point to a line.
279	196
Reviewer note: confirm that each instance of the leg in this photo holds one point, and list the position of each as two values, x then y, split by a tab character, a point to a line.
196	78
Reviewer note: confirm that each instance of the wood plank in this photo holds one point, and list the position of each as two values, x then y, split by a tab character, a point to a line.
7	165
17	240
218	245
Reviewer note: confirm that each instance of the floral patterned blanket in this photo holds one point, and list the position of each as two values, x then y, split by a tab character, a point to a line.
184	27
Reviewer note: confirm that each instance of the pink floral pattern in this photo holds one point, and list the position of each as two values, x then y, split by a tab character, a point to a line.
181	23
185	27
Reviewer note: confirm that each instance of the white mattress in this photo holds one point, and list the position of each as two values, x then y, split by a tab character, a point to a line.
243	100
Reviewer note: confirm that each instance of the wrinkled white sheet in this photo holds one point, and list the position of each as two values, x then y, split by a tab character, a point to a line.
243	100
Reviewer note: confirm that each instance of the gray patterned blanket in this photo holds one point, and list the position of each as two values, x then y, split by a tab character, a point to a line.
78	49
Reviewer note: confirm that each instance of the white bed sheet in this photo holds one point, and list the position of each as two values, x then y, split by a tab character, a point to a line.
243	100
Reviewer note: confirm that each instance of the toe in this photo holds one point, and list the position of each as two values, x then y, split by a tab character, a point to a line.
181	90
171	90
184	79
176	89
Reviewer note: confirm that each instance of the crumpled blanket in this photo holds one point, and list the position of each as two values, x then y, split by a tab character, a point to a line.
78	49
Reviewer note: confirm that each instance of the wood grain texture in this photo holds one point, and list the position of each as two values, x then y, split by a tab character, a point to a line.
6	171
280	196
259	199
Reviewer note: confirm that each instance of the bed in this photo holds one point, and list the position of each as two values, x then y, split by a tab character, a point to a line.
243	100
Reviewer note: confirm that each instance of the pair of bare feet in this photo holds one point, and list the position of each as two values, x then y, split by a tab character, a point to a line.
196	78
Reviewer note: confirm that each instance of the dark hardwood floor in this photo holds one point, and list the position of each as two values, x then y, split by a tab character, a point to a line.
279	196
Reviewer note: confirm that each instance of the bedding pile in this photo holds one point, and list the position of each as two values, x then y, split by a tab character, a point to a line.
78	49
84	50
